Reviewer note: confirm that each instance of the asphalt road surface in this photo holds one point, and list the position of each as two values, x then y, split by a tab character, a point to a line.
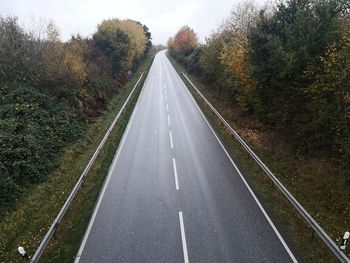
172	193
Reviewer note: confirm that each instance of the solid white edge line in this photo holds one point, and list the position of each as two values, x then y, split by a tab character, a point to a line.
105	183
290	253
169	120
87	233
171	140
183	238
175	174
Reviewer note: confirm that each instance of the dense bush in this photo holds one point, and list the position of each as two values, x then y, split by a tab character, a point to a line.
287	51
50	89
288	65
34	126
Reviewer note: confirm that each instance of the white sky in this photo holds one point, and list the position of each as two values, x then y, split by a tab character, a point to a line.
162	17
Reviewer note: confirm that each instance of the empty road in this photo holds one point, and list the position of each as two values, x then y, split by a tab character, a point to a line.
172	193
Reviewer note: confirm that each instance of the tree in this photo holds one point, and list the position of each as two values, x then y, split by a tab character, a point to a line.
286	49
127	39
170	43
234	54
148	37
210	58
50	89
243	18
137	36
185	40
19	53
114	43
52	32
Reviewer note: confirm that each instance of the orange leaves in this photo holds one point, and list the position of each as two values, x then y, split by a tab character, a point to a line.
184	39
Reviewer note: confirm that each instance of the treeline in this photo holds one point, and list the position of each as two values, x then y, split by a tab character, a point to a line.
50	89
289	65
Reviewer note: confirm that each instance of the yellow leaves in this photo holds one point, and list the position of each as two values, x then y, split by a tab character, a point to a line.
24	106
330	73
137	39
330	59
73	58
347	98
135	33
346	31
170	43
65	59
235	56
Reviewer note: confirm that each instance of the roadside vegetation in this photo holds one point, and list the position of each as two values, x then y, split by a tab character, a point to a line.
57	101
288	220
280	75
50	90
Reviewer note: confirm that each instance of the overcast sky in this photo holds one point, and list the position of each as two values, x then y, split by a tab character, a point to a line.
163	17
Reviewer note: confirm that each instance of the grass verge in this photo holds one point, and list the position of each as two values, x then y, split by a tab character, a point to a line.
296	230
28	222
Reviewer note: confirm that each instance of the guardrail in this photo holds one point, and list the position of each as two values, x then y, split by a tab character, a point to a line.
71	196
308	218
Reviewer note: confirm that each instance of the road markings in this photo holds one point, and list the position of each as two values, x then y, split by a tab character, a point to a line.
169	120
166	98
105	184
175	174
279	236
171	140
165	91
183	238
167	107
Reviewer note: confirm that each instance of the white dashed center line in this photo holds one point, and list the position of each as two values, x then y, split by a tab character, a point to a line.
183	238
175	174
169	120
171	140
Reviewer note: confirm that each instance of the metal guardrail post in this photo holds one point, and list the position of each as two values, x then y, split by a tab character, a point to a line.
308	218
71	196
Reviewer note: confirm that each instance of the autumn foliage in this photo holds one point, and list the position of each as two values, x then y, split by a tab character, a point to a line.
288	65
185	40
50	89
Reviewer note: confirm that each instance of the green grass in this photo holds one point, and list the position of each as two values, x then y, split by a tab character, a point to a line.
310	247
29	220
